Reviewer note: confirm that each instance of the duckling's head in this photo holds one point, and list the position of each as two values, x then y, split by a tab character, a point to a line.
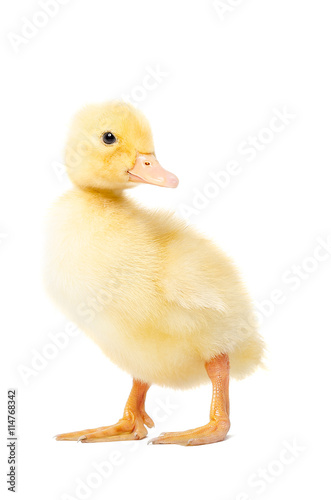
110	147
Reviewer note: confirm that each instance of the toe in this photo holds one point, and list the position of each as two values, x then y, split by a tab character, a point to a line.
170	438
104	436
147	420
73	436
124	430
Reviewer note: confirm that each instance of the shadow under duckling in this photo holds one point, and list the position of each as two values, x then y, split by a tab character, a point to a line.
162	302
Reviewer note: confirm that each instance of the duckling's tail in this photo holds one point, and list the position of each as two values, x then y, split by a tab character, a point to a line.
247	357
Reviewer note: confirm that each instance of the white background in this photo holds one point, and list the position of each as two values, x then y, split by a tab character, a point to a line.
222	78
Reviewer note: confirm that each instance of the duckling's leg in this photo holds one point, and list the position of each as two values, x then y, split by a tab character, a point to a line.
218	370
131	426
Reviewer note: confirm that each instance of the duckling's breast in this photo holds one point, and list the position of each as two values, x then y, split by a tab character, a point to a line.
99	258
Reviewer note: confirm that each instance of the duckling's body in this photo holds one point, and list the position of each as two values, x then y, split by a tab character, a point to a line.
161	301
158	299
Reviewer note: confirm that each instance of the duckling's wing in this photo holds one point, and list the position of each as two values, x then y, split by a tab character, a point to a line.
197	274
196	295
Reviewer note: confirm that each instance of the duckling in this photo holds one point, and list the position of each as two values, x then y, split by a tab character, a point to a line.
162	301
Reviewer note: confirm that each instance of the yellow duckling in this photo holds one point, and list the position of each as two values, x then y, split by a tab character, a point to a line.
162	302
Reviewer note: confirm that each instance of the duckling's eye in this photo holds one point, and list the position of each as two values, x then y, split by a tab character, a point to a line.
108	138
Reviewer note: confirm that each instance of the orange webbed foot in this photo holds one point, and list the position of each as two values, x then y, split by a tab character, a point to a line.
130	427
212	432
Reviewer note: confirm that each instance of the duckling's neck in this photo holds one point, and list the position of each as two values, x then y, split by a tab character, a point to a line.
114	194
114	198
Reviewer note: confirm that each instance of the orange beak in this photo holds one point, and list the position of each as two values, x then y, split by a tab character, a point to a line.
148	170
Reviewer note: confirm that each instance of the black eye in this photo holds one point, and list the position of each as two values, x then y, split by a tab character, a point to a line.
108	138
